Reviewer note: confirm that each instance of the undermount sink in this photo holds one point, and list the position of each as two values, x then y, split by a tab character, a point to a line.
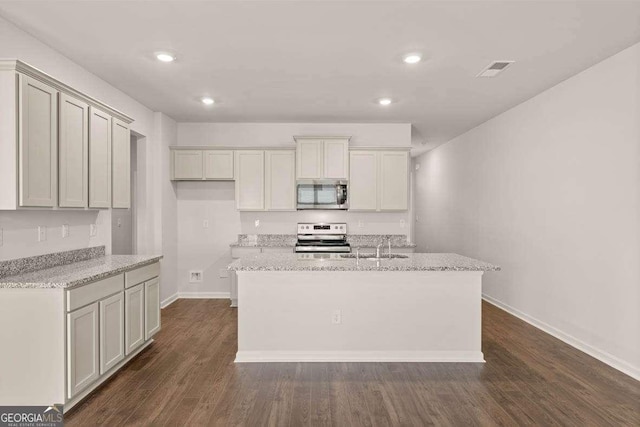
372	257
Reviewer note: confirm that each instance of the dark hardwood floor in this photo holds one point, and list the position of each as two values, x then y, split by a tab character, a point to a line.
187	377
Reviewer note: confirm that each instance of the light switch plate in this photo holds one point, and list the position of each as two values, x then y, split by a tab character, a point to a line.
257	223
65	230
205	223
1	237
42	233
93	230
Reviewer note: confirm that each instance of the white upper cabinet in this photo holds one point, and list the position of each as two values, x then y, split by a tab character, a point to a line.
99	159
379	180
394	180
187	164
336	159
249	166
218	164
280	180
192	164
121	164
310	153
73	153
363	182
55	148
38	143
322	158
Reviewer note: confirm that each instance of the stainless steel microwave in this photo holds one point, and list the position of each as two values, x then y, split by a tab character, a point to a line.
322	194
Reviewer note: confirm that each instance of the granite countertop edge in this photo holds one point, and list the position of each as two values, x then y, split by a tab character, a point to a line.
14	283
275	245
414	262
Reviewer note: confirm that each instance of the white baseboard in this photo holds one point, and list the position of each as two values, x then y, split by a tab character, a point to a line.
601	355
194	295
167	302
359	356
204	295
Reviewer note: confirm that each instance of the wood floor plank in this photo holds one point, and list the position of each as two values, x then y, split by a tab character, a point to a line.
188	377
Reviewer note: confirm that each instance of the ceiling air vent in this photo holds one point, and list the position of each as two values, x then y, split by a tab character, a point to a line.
495	68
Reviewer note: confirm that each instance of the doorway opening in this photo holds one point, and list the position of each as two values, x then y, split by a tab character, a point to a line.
123	221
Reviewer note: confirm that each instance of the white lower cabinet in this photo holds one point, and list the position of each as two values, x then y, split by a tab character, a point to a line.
134	318
151	307
111	331
82	350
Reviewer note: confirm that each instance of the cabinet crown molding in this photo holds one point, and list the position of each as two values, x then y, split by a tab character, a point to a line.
26	69
297	137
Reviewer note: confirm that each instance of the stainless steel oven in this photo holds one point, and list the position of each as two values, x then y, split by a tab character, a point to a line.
322	238
322	194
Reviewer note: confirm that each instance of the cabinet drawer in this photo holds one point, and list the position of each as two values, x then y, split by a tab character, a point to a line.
142	274
95	291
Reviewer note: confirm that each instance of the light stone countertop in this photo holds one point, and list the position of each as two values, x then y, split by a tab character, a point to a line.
77	273
289	241
413	262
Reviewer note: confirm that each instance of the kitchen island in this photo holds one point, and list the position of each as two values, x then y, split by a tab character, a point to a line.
424	307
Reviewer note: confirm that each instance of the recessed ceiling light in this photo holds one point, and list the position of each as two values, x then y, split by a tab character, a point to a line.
384	101
412	58
165	57
207	100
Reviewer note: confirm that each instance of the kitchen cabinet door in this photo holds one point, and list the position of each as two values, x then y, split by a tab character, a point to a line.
218	164
38	143
134	318
280	186
151	307
363	181
187	165
309	158
99	159
82	348
394	180
111	331
121	168
250	180
336	159
73	153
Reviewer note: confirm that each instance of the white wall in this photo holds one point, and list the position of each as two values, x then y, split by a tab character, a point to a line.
550	191
208	249
19	227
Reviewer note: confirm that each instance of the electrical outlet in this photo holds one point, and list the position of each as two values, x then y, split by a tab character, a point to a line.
360	224
402	223
195	276
205	223
257	223
224	273
417	166
119	223
42	233
1	237
93	230
65	230
336	317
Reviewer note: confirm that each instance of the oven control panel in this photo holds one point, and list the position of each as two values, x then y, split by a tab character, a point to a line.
322	228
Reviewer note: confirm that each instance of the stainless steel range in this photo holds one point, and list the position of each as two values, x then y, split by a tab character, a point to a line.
322	238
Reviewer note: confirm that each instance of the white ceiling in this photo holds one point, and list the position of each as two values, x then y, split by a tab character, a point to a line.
327	61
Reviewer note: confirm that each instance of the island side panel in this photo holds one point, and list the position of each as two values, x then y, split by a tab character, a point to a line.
385	316
32	337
